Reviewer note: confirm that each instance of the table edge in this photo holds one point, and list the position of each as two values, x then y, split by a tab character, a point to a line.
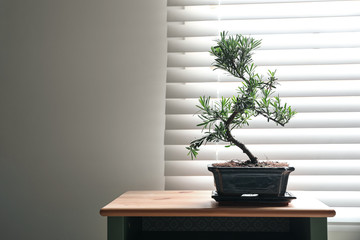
207	213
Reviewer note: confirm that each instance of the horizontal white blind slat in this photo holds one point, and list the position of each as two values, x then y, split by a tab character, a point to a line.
341	200
274	41
274	136
296	182
269	152
283	73
225	2
302	167
285	89
276	57
300	120
345	213
265	26
325	183
305	104
261	11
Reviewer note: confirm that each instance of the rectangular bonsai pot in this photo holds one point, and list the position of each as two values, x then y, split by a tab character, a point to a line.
235	181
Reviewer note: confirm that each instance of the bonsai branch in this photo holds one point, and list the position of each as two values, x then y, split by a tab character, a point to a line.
231	139
270	118
233	54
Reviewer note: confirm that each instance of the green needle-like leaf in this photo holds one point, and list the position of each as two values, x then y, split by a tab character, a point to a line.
255	96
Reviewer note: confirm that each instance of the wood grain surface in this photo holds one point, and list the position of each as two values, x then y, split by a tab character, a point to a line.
200	204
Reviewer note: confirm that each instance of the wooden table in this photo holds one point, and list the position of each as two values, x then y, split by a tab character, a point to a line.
195	215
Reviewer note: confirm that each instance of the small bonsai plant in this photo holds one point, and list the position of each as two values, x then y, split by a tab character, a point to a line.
233	53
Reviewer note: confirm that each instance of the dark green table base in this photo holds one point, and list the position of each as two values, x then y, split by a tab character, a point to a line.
132	228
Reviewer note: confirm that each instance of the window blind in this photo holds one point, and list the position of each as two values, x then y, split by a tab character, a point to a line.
314	46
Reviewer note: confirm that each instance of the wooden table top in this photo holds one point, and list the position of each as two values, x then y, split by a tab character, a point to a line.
200	204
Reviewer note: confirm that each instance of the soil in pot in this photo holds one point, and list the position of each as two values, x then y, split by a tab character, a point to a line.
249	164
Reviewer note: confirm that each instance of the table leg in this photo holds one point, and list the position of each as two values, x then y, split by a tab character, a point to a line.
308	228
116	228
318	229
124	228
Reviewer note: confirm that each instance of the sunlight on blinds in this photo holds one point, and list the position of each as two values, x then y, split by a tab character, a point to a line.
314	46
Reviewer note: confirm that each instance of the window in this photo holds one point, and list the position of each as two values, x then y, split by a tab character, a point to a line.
315	48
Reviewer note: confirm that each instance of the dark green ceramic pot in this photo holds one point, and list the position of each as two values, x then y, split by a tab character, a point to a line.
261	181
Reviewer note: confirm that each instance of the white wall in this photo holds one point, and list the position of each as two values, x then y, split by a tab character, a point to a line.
82	89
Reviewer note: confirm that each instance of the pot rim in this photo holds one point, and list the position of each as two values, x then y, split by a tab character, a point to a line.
210	166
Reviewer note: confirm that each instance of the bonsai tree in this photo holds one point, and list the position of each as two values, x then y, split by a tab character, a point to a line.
255	96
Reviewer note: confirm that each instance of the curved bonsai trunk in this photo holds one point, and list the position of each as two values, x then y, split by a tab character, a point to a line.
231	139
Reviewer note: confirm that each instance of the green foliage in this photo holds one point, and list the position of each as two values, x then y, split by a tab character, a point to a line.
255	96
